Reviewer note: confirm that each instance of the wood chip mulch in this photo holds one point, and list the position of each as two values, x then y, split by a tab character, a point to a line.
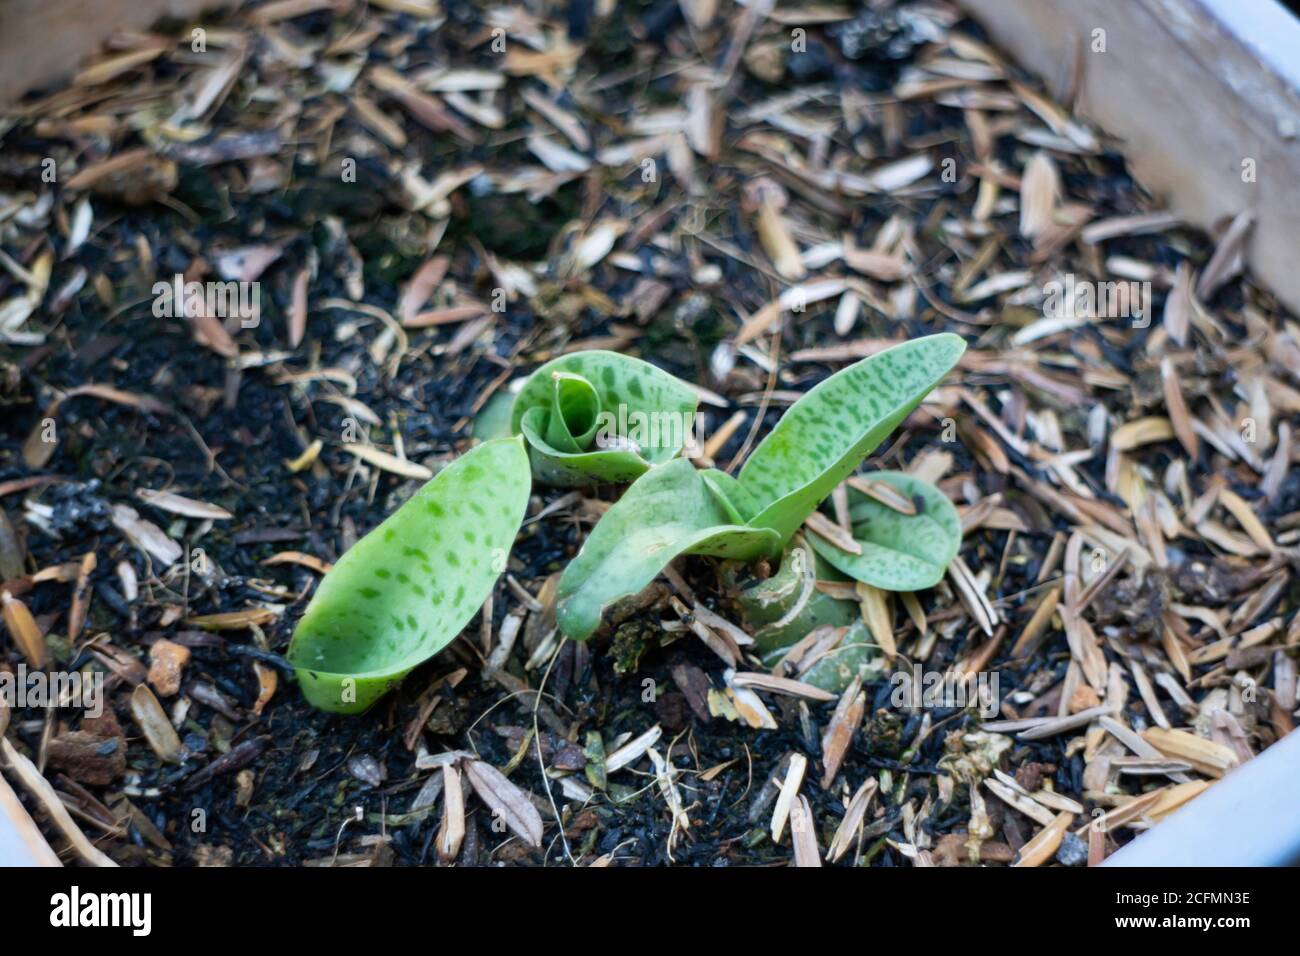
434	198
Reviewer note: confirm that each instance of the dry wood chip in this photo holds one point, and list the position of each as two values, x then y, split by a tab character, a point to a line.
180	505
780	685
506	801
234	620
24	632
1176	405
1045	843
268	681
1247	518
297	557
1143	431
167	660
25	772
843	724
1210	758
1040	193
886	494
451	833
146	536
386	461
874	604
1020	801
633	750
846	835
824	527
155	726
1030	637
1227	258
789	790
803	834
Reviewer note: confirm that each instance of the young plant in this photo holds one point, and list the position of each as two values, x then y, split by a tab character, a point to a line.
405	590
597	416
818	443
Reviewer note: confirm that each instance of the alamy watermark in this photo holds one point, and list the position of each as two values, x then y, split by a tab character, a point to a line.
179	299
37	689
933	689
634	430
1073	298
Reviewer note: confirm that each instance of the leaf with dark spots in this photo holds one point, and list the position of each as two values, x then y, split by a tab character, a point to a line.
370	621
668	511
599	416
823	437
900	552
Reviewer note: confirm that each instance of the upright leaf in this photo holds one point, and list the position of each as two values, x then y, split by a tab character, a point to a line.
825	435
900	552
668	511
599	416
405	590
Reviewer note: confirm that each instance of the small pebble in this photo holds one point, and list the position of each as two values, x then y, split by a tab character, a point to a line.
1073	851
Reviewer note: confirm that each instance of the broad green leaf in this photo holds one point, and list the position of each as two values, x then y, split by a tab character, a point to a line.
405	590
600	416
731	494
825	435
666	512
899	552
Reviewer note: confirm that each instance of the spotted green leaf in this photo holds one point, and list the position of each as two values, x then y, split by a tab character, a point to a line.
825	435
668	511
405	590
899	552
598	416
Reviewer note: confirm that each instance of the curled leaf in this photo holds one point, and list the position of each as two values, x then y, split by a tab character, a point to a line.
406	589
825	435
668	511
900	552
598	416
779	610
